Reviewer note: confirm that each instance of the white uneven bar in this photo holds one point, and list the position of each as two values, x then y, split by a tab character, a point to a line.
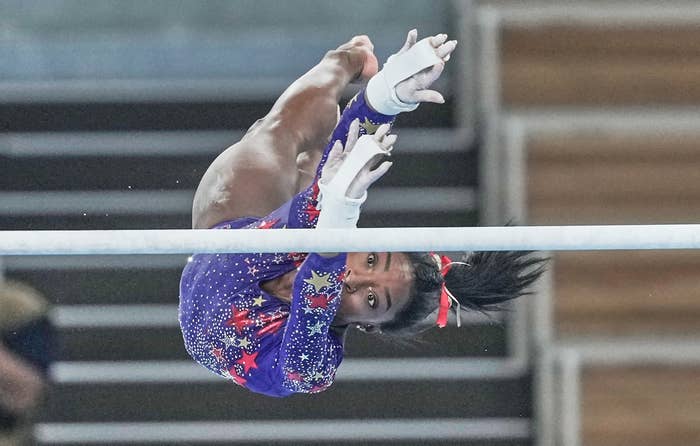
178	241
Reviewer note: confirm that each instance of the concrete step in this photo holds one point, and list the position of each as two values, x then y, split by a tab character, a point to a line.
187	115
466	216
296	442
478	338
154	173
222	400
405	432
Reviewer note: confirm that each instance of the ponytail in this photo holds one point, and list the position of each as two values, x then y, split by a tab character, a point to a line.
489	278
480	281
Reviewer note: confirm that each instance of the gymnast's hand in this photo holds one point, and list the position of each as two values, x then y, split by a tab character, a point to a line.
370	172
415	89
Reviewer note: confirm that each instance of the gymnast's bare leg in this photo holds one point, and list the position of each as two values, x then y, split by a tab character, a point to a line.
279	153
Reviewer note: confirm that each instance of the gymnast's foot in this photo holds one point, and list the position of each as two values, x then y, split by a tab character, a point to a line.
361	50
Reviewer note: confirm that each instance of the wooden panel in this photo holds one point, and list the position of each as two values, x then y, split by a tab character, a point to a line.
615	180
640	211
651	145
641	406
612	178
627	292
598	65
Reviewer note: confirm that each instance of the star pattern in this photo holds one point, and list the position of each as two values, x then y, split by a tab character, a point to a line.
268	224
318	281
369	127
237	330
229	341
320	301
315	328
248	361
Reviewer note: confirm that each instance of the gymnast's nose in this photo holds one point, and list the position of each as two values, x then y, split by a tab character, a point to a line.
355	279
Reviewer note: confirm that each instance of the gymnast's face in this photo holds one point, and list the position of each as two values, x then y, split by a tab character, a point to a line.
377	286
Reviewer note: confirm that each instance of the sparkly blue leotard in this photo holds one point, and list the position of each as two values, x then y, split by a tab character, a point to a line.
234	328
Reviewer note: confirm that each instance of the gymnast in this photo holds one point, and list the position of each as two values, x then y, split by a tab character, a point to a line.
275	323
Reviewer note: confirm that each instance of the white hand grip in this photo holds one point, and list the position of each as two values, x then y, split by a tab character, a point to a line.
381	89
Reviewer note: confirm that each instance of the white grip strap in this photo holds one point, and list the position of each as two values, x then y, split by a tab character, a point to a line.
337	210
381	89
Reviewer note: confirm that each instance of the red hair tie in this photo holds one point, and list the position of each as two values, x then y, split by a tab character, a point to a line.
446	297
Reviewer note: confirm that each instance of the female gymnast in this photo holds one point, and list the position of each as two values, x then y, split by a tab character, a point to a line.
275	323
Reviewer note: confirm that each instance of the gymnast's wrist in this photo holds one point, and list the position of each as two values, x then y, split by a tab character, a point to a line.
336	209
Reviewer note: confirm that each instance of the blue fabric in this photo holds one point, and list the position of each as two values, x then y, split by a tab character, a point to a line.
234	328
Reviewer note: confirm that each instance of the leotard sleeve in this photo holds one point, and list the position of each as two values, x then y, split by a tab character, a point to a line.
310	352
303	212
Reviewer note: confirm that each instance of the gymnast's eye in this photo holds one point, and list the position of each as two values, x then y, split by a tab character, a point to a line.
371	259
372	300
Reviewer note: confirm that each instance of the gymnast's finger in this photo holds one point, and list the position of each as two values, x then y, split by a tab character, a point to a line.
431	75
446	49
379	172
388	142
353	135
438	40
429	96
335	154
411	39
382	131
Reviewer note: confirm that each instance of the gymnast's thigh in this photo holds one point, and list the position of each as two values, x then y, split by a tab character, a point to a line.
250	179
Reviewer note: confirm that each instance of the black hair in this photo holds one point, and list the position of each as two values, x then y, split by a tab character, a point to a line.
484	282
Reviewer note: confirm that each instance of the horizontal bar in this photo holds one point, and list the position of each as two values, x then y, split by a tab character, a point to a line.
399	369
285	431
177	241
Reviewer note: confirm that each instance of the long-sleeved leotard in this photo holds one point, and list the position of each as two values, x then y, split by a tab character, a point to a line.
234	328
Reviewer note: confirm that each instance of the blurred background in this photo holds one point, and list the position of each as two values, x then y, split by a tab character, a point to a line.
557	113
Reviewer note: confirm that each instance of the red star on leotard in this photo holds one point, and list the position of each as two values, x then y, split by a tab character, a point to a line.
311	211
248	361
268	224
217	352
294	376
317	389
320	301
297	257
239	319
272	321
